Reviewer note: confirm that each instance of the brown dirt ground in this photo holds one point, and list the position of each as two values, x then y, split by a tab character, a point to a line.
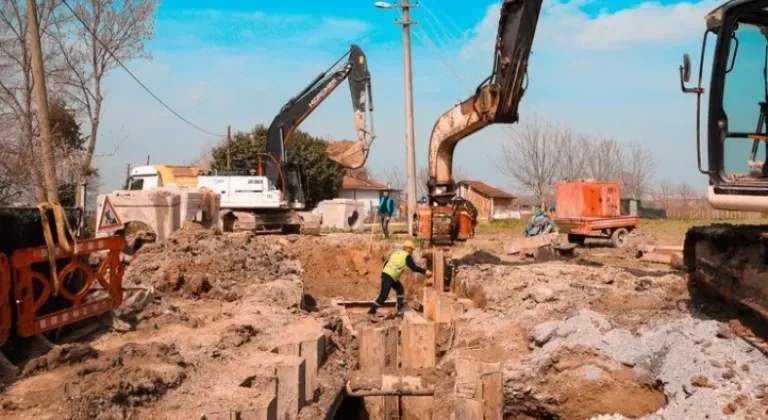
220	300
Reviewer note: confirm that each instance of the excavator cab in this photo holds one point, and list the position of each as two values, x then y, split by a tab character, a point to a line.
736	126
731	261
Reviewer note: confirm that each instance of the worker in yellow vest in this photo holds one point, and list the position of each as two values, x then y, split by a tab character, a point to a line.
390	277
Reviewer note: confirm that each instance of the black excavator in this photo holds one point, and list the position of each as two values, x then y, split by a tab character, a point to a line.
286	176
349	155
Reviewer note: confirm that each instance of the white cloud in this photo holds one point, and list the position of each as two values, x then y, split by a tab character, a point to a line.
564	24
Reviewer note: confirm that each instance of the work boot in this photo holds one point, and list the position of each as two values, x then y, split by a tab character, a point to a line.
372	318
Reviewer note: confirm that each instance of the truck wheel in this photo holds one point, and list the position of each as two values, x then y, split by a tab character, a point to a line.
576	239
620	237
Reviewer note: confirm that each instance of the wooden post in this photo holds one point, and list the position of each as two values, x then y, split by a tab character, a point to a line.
438	268
38	74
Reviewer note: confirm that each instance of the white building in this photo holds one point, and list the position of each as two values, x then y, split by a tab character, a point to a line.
368	192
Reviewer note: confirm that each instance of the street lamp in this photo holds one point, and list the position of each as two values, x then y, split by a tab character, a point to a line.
409	135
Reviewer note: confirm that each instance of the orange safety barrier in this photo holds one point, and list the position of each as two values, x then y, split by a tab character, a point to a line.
5	299
29	323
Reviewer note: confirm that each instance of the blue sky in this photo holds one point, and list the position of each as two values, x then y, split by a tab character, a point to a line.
604	67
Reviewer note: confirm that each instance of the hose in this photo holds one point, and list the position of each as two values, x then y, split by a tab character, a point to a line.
62	228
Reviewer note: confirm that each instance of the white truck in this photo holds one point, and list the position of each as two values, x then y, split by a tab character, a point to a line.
247	201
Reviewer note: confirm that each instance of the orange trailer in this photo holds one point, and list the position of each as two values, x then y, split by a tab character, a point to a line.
592	209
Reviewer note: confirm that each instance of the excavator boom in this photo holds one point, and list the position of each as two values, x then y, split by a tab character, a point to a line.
496	100
447	218
302	105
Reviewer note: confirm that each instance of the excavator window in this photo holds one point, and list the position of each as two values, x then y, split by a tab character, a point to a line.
745	102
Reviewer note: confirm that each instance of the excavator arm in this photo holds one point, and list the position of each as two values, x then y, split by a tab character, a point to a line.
447	218
302	105
496	100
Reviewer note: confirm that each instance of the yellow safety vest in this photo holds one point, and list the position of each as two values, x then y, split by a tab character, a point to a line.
396	264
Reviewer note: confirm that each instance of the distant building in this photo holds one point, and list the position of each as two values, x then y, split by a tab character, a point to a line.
367	192
492	203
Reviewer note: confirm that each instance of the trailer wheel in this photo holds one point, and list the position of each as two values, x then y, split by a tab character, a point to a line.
576	239
620	237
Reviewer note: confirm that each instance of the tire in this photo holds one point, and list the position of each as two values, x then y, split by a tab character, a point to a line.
620	237
576	239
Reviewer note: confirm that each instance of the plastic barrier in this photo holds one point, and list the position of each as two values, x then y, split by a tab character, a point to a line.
5	299
29	323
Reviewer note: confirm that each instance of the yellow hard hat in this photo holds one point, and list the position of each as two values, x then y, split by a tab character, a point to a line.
409	244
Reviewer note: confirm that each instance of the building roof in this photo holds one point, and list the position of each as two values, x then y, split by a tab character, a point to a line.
350	183
486	189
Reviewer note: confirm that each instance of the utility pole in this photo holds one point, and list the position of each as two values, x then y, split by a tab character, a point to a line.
410	146
229	147
38	74
410	157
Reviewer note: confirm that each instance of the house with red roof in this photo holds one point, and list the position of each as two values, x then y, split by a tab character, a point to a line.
492	203
366	191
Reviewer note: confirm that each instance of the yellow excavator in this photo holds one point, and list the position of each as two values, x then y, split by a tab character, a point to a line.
731	260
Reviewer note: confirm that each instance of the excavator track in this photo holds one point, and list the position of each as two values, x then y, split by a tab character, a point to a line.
731	262
287	223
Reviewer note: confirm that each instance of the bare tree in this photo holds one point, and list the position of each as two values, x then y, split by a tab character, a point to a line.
117	32
394	178
605	159
17	109
639	164
575	150
532	156
663	192
687	195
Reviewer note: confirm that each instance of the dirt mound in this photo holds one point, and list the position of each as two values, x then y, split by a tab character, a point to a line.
579	383
339	268
67	354
134	375
198	263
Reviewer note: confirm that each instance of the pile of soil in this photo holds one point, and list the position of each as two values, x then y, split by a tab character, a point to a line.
340	266
580	383
198	263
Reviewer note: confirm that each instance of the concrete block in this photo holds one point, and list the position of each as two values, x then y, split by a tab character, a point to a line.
342	214
443	337
468	375
417	408
291	387
448	309
429	303
492	393
378	349
313	353
262	407
382	408
290	372
468	409
418	342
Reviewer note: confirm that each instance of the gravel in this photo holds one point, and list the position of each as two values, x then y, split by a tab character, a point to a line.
679	353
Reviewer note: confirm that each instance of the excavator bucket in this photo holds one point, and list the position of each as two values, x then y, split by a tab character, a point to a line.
349	154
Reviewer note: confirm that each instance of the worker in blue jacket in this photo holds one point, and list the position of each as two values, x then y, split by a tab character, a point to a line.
385	212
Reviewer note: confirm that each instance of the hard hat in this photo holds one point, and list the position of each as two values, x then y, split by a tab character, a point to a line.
409	244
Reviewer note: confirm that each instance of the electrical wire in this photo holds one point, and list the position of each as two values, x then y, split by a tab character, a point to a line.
136	79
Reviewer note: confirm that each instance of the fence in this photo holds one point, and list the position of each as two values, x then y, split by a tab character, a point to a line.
698	209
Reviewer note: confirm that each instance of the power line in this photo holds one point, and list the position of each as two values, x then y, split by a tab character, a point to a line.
136	79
